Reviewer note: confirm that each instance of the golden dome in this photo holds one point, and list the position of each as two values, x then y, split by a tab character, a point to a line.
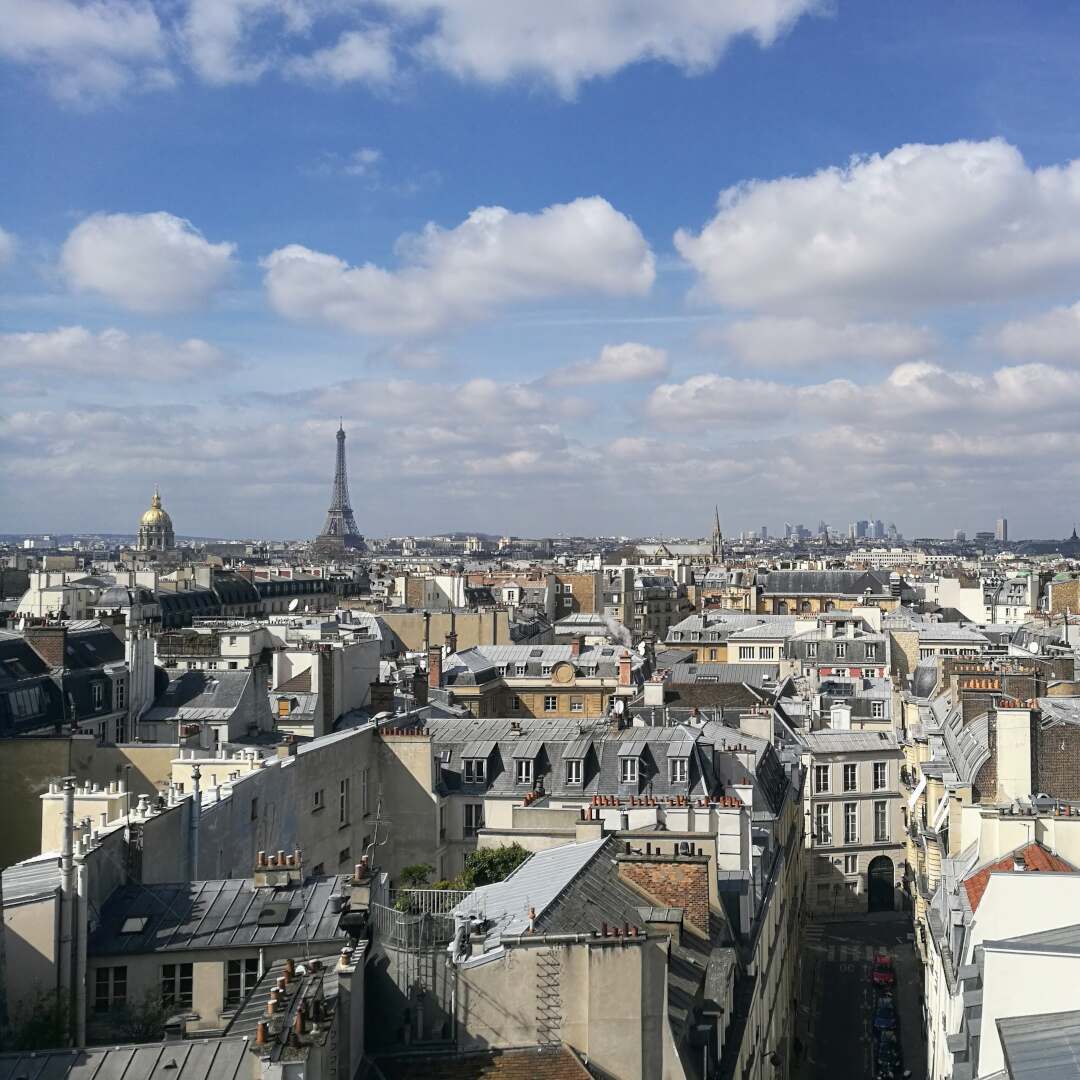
155	515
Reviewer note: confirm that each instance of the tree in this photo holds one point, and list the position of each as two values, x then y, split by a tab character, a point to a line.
40	1025
488	865
416	876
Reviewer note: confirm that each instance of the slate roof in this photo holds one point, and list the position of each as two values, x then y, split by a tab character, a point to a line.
1045	1047
851	742
200	694
215	915
552	742
1036	859
850	583
523	1063
191	1059
482	663
31	879
1059	710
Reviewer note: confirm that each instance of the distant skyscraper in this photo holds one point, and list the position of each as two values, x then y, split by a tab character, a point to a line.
959	535
1001	530
340	530
822	529
764	532
877	529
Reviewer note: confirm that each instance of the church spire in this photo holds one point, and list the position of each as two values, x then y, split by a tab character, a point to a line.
717	538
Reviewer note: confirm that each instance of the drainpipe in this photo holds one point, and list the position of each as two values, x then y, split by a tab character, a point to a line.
193	824
82	929
67	898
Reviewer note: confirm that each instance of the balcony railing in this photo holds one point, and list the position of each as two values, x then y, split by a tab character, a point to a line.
427	901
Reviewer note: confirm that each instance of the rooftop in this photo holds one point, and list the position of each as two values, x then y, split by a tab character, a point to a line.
1034	858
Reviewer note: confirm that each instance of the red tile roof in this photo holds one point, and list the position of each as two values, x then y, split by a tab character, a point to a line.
1036	859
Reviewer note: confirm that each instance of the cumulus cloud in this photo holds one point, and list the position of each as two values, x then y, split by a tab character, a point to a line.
77	352
771	341
1050	335
920	226
450	276
150	263
357	56
628	362
86	52
566	42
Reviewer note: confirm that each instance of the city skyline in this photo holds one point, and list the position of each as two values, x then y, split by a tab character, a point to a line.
753	255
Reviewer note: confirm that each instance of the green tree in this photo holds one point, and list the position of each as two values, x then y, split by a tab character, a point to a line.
488	865
416	876
40	1025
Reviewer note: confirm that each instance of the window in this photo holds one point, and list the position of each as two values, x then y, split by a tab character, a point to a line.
240	979
344	855
823	823
365	789
176	984
767	652
343	802
881	822
550	702
110	988
823	891
881	775
120	694
851	823
811	650
841	650
573	772
515	704
871	651
851	864
679	770
520	669
568	590
26	702
821	779
628	770
524	770
98	692
545	669
318	800
475	770
254	808
868	672
877	710
746	652
212	665
712	654
577	704
474	818
676	635
851	778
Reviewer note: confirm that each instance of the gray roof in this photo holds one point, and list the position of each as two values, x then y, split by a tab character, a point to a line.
1045	1047
215	915
777	627
850	742
31	879
482	663
192	1059
823	582
1059	710
200	695
534	884
751	674
1059	937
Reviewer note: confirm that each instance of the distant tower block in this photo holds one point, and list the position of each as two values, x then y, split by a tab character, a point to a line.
340	531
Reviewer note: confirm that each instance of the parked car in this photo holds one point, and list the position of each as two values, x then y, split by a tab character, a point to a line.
883	975
885	1013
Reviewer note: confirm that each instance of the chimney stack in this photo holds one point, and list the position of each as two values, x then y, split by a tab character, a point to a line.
625	669
575	646
434	668
49	642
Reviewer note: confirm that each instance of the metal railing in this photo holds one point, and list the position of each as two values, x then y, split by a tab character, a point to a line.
427	901
404	930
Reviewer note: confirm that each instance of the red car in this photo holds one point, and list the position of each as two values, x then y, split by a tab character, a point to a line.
883	974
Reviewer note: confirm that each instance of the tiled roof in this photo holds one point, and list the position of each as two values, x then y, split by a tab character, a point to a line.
1036	859
300	683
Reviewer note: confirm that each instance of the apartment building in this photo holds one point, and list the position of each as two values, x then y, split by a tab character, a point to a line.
810	592
855	831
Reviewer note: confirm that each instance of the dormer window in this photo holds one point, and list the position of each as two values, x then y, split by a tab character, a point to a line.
676	635
841	650
680	770
545	669
523	770
519	669
811	650
628	770
573	772
474	770
871	652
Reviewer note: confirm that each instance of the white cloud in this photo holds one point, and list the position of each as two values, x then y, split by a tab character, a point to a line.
628	362
145	262
86	52
771	341
1051	335
7	247
357	56
918	227
74	351
362	162
566	42
493	259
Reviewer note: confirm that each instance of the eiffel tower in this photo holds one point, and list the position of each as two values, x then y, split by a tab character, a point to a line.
340	530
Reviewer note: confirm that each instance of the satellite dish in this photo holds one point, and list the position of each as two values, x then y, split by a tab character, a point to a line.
294	604
620	707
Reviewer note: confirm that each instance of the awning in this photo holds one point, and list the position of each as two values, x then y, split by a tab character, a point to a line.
579	749
529	750
632	749
913	798
477	750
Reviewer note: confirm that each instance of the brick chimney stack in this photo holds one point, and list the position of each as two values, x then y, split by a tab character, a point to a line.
49	642
625	669
434	667
575	646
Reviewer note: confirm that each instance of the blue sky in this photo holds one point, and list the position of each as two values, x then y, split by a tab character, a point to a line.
876	320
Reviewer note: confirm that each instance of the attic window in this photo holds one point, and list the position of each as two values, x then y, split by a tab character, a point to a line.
134	924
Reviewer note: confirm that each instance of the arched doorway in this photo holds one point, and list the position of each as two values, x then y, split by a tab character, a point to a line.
879	883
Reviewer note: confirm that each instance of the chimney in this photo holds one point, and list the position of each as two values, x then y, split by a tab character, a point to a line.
625	669
326	711
575	647
434	668
49	642
451	638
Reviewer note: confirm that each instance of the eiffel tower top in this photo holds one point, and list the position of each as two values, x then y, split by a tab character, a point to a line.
340	529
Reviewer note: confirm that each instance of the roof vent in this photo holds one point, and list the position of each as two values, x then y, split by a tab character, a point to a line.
274	913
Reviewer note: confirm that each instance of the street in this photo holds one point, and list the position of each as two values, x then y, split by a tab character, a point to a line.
837	1006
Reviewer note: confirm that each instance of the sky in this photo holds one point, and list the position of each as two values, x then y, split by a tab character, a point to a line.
579	267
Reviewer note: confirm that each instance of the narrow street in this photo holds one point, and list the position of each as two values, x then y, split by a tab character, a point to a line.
836	1009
